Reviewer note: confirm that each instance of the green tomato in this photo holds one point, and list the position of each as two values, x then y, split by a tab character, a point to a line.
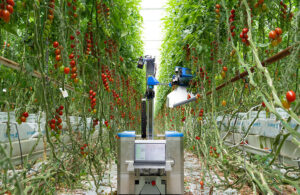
62	69
80	82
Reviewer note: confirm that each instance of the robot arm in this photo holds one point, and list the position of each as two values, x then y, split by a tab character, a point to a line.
181	78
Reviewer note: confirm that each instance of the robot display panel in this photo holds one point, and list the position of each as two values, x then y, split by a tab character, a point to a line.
150	153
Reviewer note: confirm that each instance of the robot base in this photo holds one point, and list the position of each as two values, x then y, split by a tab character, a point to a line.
150	166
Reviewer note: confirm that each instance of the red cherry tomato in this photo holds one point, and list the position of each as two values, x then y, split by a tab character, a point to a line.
23	119
25	114
72	63
201	183
10	8
241	35
58	57
57	51
67	70
10	2
291	96
245	30
59	120
273	34
71	56
278	31
225	69
55	44
6	15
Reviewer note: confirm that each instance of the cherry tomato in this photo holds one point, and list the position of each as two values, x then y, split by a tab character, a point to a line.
286	104
273	34
66	70
218	6
10	8
55	44
74	75
279	40
61	107
225	69
223	74
23	119
25	114
201	183
57	51
245	30
71	56
58	57
278	31
59	120
223	103
72	63
274	43
291	96
10	2
241	35
74	69
50	17
6	15
263	104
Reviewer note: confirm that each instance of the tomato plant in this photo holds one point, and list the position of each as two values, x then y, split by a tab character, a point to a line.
62	50
233	75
